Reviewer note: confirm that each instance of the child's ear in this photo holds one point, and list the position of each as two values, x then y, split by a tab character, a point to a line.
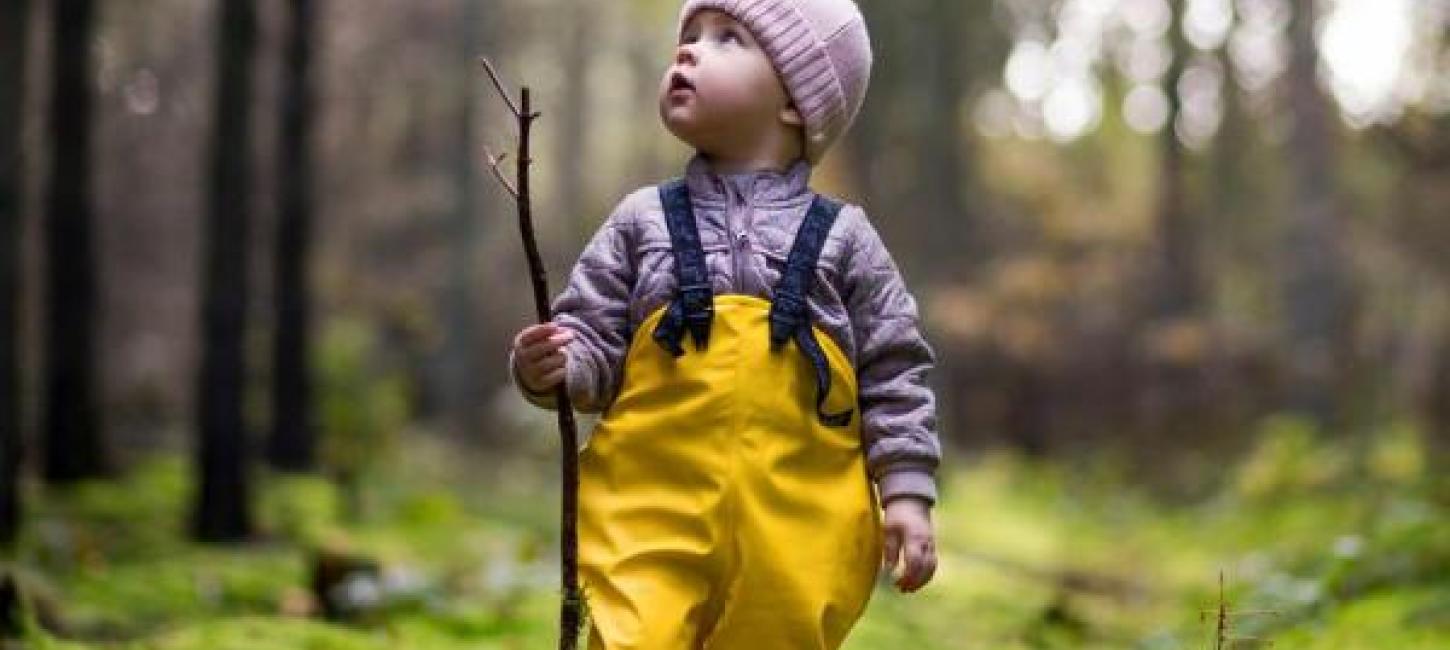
790	116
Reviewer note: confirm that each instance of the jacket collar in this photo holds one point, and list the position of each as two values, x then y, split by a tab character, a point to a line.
754	187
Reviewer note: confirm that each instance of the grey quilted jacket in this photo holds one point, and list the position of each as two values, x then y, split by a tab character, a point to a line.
747	223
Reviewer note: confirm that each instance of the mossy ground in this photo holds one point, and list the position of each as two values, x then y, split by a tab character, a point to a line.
1319	545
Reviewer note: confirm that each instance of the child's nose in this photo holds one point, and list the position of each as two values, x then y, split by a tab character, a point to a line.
685	54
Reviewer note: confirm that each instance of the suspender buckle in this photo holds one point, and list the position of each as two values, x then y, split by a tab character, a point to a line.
696	295
699	307
787	313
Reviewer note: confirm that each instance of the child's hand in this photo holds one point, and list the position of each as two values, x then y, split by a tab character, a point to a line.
909	533
539	355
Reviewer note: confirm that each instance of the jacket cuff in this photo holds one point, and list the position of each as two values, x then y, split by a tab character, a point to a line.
543	400
907	481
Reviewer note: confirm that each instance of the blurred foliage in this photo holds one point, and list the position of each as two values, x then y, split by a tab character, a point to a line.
364	404
1320	545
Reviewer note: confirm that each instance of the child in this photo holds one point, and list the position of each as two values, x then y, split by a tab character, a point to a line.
724	499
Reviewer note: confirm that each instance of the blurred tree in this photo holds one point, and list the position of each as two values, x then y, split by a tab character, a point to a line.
222	508
74	448
946	175
873	128
892	175
293	443
459	367
1234	189
1436	405
572	146
910	150
1318	311
647	63
1172	385
14	19
1177	293
1422	142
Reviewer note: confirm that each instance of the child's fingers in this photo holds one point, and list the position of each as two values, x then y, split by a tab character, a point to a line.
549	363
909	561
538	333
908	565
542	374
920	560
546	383
533	352
892	548
926	566
533	334
552	379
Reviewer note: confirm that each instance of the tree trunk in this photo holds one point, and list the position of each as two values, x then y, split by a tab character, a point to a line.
1437	406
293	445
458	363
946	175
1316	291
14	18
912	116
222	511
1174	386
572	147
644	60
1178	290
74	445
1234	189
870	131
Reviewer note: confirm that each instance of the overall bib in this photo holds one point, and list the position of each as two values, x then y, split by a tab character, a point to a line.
718	509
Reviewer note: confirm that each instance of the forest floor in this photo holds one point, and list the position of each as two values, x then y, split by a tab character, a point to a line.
1318	545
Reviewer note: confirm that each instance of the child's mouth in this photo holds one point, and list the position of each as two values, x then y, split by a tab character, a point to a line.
680	83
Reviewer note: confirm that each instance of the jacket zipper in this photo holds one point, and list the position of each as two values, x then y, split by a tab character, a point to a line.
737	246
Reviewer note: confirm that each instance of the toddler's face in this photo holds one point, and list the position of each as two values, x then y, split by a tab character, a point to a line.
721	86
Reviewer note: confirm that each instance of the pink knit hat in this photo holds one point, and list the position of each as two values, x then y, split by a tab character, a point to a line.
821	52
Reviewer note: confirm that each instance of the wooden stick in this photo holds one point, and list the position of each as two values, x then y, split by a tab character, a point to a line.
498	85
571	606
494	162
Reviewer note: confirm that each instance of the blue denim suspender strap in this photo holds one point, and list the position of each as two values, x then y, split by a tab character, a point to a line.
790	315
693	306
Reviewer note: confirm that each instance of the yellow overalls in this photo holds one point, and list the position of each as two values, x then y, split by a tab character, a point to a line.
717	509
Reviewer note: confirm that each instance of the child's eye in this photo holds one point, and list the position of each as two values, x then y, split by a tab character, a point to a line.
732	35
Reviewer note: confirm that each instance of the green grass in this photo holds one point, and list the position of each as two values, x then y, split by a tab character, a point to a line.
1321	546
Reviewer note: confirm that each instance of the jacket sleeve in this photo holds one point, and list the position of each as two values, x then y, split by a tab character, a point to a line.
898	408
594	305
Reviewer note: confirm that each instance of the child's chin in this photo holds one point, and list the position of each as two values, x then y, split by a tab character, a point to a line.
681	126
677	115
